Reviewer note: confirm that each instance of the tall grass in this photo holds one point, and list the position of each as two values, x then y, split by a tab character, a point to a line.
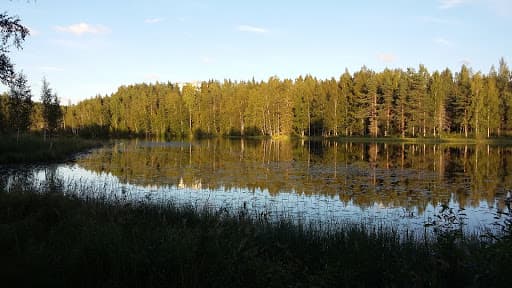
49	239
33	148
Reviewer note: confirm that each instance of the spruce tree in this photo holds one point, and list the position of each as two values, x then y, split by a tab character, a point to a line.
52	113
492	102
478	105
347	101
505	95
19	105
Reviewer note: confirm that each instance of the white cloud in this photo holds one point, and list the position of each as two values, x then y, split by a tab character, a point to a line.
387	57
153	20
252	29
443	41
83	28
447	4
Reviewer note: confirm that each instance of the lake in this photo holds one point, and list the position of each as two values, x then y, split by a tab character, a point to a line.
409	187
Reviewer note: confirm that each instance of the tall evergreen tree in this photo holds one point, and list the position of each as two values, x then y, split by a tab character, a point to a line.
492	101
19	104
438	97
387	88
349	118
403	103
52	113
301	107
478	105
462	100
418	104
447	92
374	106
505	94
363	96
332	113
190	96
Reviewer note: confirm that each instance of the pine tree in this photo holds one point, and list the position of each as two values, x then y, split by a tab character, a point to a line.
332	117
317	108
492	101
190	96
505	94
403	103
374	106
436	94
418	104
347	103
19	105
363	99
300	108
478	105
446	94
52	113
462	101
387	87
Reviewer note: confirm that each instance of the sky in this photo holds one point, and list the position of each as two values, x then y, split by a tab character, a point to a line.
91	47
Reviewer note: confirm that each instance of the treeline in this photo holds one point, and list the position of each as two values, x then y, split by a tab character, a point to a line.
411	103
19	114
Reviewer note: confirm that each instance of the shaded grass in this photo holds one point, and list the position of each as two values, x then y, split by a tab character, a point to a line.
33	148
48	239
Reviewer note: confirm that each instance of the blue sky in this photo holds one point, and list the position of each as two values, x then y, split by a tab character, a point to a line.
90	47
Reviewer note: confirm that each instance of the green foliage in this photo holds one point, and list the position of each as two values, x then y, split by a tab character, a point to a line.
48	239
12	34
3	112
52	113
19	105
412	103
31	148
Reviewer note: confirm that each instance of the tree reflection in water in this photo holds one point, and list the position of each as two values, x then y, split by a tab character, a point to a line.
411	176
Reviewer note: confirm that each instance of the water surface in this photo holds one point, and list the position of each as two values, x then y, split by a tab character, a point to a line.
404	186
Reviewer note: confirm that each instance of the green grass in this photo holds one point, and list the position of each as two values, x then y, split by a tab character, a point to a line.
48	239
33	148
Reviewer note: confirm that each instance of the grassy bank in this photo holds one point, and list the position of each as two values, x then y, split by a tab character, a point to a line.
33	148
451	139
57	241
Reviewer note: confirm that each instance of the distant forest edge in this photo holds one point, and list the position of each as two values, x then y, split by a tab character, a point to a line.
394	103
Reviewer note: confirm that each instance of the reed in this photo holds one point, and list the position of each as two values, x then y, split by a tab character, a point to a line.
51	238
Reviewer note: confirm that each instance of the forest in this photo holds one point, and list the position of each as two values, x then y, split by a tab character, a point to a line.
391	103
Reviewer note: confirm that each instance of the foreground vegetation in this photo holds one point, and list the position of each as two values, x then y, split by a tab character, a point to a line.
34	148
48	239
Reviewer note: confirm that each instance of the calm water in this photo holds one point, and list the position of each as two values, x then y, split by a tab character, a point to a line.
404	186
